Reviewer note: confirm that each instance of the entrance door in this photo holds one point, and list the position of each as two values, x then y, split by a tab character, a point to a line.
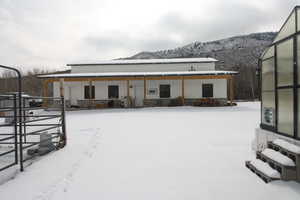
72	99
138	93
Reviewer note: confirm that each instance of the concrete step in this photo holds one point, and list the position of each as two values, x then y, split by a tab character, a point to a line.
281	163
290	150
263	170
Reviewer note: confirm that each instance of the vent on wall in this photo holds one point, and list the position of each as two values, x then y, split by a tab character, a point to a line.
268	116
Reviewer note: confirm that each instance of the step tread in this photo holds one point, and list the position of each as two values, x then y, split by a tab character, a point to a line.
278	157
288	146
265	169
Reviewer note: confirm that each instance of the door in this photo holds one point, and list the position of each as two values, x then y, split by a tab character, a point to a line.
72	98
138	93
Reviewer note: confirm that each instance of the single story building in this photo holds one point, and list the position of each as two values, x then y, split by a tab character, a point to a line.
143	82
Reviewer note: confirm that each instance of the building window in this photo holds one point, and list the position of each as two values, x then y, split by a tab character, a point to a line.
113	91
164	91
87	92
207	90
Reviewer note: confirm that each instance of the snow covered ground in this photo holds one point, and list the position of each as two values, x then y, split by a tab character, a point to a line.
152	153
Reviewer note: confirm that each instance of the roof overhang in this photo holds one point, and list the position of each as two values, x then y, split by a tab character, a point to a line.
148	61
138	74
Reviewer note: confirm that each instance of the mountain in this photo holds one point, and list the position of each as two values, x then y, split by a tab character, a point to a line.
231	52
239	53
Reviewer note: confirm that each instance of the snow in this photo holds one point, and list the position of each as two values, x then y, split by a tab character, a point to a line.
126	74
149	61
152	153
265	168
278	157
288	146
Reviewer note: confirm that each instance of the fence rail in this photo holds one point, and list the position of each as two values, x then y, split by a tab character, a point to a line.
29	129
8	133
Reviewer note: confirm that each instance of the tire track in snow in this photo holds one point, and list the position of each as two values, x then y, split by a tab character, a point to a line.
64	183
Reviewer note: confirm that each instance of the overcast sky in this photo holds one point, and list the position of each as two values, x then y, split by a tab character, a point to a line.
52	33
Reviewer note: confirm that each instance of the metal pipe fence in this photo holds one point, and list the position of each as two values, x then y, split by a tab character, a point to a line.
35	131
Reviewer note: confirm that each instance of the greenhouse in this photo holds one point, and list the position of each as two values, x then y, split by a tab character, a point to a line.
280	80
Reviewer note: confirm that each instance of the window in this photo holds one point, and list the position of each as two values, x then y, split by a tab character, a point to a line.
87	92
207	90
164	91
113	91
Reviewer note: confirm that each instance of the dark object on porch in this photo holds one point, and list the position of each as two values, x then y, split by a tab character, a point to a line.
176	102
207	102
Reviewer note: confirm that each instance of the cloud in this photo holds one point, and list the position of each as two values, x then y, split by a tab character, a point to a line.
52	33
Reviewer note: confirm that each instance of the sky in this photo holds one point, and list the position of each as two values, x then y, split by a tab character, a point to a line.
49	34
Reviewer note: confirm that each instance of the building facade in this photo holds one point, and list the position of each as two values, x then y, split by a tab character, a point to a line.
147	82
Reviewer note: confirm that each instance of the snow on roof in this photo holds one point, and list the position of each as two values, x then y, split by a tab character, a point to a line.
149	61
138	74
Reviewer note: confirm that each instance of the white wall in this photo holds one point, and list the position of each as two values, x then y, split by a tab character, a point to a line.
101	89
193	88
144	67
175	87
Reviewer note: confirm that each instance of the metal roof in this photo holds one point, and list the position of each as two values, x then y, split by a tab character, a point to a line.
148	61
138	74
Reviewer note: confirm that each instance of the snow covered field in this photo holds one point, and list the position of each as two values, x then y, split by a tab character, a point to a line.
152	153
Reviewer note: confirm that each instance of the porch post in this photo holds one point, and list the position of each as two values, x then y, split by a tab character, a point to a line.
61	87
231	90
90	92
145	88
128	94
45	93
182	89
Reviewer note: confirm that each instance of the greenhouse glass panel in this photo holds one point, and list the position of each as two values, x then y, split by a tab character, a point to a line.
268	74
298	54
285	63
288	28
298	20
285	111
268	53
298	134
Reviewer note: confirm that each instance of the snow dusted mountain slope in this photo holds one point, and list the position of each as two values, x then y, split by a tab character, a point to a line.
232	52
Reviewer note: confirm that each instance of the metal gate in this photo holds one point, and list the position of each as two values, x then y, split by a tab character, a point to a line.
31	133
8	131
27	129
